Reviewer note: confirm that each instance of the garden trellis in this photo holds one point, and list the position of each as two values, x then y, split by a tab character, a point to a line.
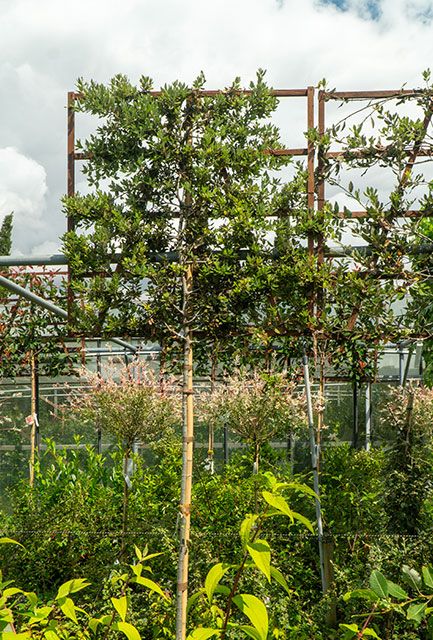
335	294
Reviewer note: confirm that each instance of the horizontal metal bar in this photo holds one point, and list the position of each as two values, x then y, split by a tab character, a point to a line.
298	151
373	95
172	256
33	261
412	213
360	153
208	93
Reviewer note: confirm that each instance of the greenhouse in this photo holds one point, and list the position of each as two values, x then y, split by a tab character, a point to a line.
215	400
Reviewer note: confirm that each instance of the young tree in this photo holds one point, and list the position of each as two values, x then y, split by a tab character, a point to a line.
6	235
183	191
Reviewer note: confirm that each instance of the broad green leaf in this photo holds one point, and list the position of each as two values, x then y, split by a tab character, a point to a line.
150	584
260	552
416	612
246	527
72	586
366	594
396	591
271	480
379	584
427	575
213	577
278	503
303	488
250	631
121	606
138	553
368	631
152	555
68	609
304	520
39	614
10	541
203	633
278	577
411	577
51	635
7	593
93	624
128	629
10	635
350	627
193	599
255	610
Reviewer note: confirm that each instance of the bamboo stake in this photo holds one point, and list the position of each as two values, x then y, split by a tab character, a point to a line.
187	464
33	432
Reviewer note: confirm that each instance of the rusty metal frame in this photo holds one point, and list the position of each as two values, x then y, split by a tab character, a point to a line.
346	96
316	187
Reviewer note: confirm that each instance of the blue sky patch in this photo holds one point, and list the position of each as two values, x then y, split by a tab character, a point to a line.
372	7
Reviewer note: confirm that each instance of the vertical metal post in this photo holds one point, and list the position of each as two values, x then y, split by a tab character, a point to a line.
71	152
400	365
70	186
355	434
310	163
314	451
408	363
368	415
226	444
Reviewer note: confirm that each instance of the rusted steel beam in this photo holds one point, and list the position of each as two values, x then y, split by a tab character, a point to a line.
310	164
71	151
208	93
364	214
301	151
360	153
287	152
372	95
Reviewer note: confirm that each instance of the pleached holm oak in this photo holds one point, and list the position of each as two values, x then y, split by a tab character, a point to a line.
167	244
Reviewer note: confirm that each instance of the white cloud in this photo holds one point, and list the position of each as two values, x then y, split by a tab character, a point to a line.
46	45
23	190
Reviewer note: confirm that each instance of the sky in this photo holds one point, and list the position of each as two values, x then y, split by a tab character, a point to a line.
46	45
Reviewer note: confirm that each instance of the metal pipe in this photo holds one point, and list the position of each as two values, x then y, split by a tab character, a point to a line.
126	345
315	451
355	435
400	365
32	297
368	415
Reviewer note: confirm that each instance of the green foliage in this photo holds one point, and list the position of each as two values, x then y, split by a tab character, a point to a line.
132	403
253	406
385	597
24	615
409	462
6	235
255	554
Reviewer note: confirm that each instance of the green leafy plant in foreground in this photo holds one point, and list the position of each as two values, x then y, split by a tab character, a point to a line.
24	615
222	601
385	597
